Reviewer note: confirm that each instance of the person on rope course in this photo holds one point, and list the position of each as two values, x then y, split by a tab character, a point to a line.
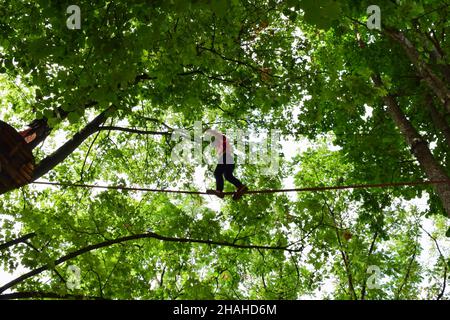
225	166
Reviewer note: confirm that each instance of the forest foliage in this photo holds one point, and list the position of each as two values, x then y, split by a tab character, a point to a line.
373	105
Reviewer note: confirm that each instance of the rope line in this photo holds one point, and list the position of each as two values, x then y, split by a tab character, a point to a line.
324	188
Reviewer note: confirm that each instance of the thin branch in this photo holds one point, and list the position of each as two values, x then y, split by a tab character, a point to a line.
157	121
408	273
371	249
239	62
444	284
356	21
112	271
32	246
99	281
60	276
87	155
161	281
130	130
431	11
342	250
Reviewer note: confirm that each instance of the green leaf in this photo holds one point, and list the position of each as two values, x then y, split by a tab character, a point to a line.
73	117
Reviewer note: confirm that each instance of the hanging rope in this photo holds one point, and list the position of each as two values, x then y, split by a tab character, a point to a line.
324	188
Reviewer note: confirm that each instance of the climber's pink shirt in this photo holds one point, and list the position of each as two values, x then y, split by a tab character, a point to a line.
218	142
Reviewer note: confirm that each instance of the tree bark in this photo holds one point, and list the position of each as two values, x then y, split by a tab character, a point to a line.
433	81
419	148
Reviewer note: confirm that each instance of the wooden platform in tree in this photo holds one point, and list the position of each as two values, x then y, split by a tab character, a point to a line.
16	158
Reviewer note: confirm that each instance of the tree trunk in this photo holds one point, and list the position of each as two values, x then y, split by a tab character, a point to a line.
433	81
419	148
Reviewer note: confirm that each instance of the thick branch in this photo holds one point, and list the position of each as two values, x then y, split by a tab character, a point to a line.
65	150
22	239
130	238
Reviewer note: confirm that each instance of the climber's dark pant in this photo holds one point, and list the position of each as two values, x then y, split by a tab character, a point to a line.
225	170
